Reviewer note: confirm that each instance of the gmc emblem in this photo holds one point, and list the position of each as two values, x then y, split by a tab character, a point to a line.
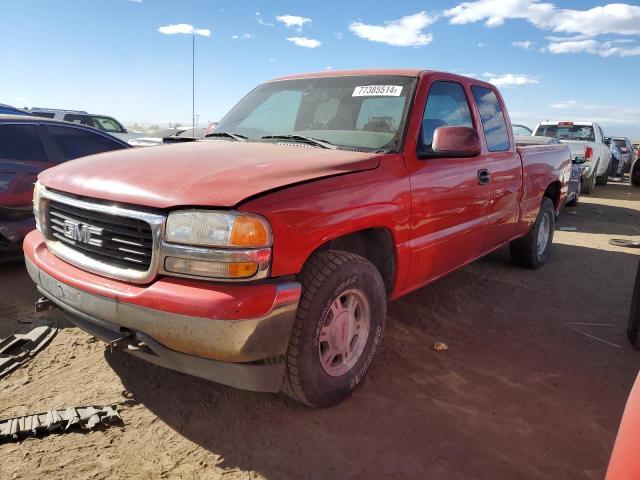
81	232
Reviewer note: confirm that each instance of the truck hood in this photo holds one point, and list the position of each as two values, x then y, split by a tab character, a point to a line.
207	173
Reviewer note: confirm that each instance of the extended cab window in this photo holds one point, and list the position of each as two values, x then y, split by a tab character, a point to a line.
74	142
21	142
447	106
493	123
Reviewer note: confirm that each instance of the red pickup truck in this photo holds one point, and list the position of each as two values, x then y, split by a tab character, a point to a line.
263	257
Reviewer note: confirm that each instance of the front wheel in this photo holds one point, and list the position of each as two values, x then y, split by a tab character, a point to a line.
339	325
533	250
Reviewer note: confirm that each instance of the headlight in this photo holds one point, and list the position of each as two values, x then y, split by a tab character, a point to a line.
37	194
220	245
217	229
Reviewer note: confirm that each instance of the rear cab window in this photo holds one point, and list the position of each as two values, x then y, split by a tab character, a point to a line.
492	118
567	131
21	142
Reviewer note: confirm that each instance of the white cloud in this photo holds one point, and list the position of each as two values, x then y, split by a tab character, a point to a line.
261	21
293	21
184	28
405	32
618	18
135	1
510	80
481	45
243	36
525	45
594	47
338	35
305	42
590	112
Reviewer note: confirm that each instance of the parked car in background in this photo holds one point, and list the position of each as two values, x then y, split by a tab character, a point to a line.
617	162
634	173
28	145
628	155
588	148
9	110
102	122
265	259
521	130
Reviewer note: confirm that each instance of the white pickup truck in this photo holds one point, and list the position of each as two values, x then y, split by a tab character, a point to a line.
588	149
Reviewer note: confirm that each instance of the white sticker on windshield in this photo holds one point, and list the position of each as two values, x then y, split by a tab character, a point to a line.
377	90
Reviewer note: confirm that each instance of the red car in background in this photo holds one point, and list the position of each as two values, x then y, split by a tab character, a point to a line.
29	145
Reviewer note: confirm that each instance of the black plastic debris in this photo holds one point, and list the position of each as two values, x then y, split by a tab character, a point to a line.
20	347
83	417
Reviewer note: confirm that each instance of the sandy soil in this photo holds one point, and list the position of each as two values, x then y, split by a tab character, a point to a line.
520	394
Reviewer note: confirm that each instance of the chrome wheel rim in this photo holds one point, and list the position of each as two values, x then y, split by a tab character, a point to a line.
543	234
344	332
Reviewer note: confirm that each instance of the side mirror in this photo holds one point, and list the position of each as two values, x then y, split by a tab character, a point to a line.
607	140
455	142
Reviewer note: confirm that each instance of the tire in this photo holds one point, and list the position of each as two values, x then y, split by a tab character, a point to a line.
330	280
574	201
528	251
604	178
589	184
633	327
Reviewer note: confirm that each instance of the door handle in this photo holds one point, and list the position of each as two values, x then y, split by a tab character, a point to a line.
484	176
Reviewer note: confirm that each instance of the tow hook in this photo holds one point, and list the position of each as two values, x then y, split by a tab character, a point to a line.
127	336
43	304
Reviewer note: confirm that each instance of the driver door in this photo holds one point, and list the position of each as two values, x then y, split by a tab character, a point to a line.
450	196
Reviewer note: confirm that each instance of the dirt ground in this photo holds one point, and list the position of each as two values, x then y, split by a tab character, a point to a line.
520	394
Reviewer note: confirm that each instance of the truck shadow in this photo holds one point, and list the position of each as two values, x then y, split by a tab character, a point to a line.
518	394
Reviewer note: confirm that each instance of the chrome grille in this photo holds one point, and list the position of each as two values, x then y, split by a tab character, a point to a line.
120	241
101	237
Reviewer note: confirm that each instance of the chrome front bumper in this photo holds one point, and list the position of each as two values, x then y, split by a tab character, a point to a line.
225	351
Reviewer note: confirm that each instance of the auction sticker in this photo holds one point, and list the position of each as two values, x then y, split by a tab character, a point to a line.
377	90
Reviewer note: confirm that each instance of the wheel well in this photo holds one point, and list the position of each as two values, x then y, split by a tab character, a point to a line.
553	192
374	244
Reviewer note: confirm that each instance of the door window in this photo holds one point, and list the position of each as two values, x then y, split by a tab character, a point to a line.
447	106
74	142
493	123
21	142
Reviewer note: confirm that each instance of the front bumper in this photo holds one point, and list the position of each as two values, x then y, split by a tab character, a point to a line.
226	350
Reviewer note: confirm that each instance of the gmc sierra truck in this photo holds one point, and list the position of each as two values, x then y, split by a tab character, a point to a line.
263	257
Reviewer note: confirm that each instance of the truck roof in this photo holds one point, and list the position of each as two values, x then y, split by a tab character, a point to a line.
581	124
400	72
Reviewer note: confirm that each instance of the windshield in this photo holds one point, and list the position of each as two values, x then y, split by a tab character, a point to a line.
521	130
352	112
567	132
107	124
621	143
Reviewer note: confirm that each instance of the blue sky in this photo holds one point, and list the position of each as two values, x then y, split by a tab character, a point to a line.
573	59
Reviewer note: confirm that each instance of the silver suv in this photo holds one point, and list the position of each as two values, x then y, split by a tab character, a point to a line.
102	122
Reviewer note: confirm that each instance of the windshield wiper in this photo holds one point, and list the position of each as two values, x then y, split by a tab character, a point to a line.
235	136
301	138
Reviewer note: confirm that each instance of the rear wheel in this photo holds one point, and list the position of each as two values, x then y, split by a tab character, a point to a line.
339	325
604	178
532	250
589	184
